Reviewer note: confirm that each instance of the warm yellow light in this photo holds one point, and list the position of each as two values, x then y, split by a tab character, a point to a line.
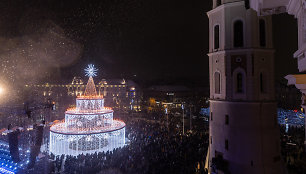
1	90
90	97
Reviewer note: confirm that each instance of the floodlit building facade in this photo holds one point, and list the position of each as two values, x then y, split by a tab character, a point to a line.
120	94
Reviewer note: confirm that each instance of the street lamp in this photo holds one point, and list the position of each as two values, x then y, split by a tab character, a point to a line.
166	112
183	120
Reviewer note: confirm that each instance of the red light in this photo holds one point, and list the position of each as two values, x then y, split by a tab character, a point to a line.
295	110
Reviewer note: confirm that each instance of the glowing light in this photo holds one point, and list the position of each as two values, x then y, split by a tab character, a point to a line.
89	127
79	123
88	138
2	170
90	97
1	90
91	71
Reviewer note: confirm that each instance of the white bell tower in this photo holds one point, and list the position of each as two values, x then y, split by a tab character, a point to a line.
244	133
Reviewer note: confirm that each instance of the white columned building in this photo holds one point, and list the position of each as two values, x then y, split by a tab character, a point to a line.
244	134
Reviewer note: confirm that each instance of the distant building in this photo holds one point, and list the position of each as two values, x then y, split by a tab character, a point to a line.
287	97
157	98
118	93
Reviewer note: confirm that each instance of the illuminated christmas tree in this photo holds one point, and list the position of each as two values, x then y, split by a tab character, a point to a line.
90	90
89	127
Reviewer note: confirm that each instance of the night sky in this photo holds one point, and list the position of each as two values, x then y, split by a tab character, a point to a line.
156	40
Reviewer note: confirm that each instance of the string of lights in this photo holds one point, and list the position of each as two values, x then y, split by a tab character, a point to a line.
89	127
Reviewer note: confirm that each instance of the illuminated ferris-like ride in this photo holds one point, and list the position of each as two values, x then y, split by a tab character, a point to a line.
89	127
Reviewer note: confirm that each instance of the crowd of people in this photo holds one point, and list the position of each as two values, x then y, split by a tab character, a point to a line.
156	144
293	148
152	148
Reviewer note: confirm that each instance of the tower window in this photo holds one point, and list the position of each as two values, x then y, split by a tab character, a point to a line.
238	34
217	83
226	144
261	81
226	119
275	120
218	2
216	37
262	33
211	116
239	88
210	139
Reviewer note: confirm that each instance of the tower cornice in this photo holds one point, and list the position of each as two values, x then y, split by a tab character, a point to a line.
225	5
242	101
240	50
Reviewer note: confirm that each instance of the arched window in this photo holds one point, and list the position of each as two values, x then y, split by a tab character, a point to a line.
216	36
218	3
239	87
226	119
261	81
238	34
262	33
217	83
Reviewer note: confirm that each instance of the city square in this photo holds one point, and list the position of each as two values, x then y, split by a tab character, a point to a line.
154	86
